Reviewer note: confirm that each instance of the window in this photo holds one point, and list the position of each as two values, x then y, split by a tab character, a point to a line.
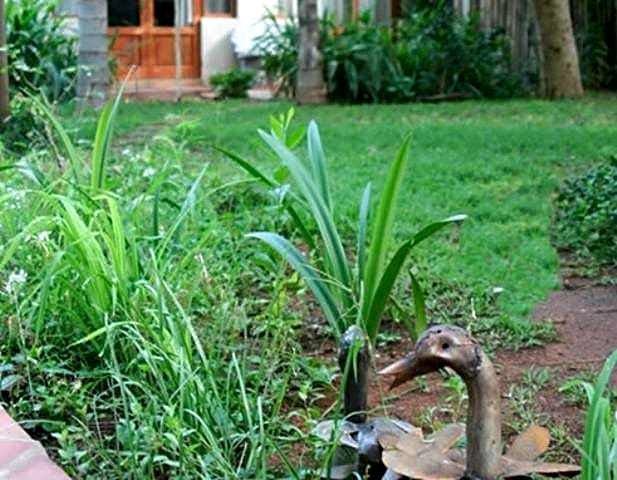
164	13
220	7
123	13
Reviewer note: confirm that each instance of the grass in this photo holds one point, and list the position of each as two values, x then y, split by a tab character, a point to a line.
145	337
498	162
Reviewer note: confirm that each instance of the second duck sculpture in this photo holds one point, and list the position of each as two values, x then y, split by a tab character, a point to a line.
449	346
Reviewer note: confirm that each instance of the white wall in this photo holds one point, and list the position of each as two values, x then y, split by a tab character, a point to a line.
217	51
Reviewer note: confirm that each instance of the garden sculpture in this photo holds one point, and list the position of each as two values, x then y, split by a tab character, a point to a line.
359	446
436	458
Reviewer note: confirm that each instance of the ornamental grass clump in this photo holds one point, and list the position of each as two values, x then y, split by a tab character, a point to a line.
350	289
111	283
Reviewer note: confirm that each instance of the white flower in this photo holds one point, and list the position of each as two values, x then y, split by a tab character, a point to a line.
149	172
16	279
43	237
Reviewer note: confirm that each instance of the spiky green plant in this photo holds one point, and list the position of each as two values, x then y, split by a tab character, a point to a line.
599	447
348	291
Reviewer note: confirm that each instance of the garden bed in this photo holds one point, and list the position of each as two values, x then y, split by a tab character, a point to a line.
231	318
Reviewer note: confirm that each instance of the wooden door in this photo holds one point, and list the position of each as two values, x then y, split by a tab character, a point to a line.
142	34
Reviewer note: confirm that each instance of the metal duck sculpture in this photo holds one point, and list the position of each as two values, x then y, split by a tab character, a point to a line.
410	456
359	450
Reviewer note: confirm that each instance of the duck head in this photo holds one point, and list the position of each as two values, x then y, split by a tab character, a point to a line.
439	347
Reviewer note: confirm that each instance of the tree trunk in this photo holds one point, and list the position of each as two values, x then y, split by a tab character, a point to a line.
310	87
560	59
4	70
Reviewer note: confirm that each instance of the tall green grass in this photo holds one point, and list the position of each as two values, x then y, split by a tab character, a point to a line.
350	289
121	288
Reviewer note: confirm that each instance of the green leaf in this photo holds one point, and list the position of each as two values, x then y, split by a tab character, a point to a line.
295	137
384	288
419	306
318	163
382	231
321	213
102	138
259	175
100	331
594	421
311	276
247	166
65	141
363	216
6	383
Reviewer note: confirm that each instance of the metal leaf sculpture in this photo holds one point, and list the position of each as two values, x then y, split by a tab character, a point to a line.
453	347
358	436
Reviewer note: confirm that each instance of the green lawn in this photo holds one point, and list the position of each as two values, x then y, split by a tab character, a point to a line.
498	162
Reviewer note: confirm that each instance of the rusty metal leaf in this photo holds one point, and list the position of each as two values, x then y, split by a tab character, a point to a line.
429	466
515	468
530	444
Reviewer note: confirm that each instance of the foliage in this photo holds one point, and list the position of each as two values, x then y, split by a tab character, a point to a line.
23	129
361	62
444	53
599	448
129	400
594	30
42	54
586	217
433	51
278	49
348	292
596	71
105	289
234	83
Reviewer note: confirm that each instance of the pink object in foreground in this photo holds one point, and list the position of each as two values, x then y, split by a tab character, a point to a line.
21	457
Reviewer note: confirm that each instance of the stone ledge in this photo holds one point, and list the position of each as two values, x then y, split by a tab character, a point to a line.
21	457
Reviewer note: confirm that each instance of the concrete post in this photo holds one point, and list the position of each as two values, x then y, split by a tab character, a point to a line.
93	79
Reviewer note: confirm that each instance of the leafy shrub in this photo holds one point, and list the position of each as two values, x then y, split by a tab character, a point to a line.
361	62
233	83
42	55
278	49
586	217
596	71
443	53
23	128
431	52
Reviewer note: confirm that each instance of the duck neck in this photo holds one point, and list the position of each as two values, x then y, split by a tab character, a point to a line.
354	361
483	421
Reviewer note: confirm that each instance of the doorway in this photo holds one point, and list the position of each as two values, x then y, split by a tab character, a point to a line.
142	33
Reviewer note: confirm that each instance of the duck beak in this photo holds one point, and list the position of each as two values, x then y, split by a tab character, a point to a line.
406	369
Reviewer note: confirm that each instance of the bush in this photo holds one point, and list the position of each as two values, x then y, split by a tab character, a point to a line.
431	52
42	55
361	63
278	49
445	53
586	218
22	129
233	83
